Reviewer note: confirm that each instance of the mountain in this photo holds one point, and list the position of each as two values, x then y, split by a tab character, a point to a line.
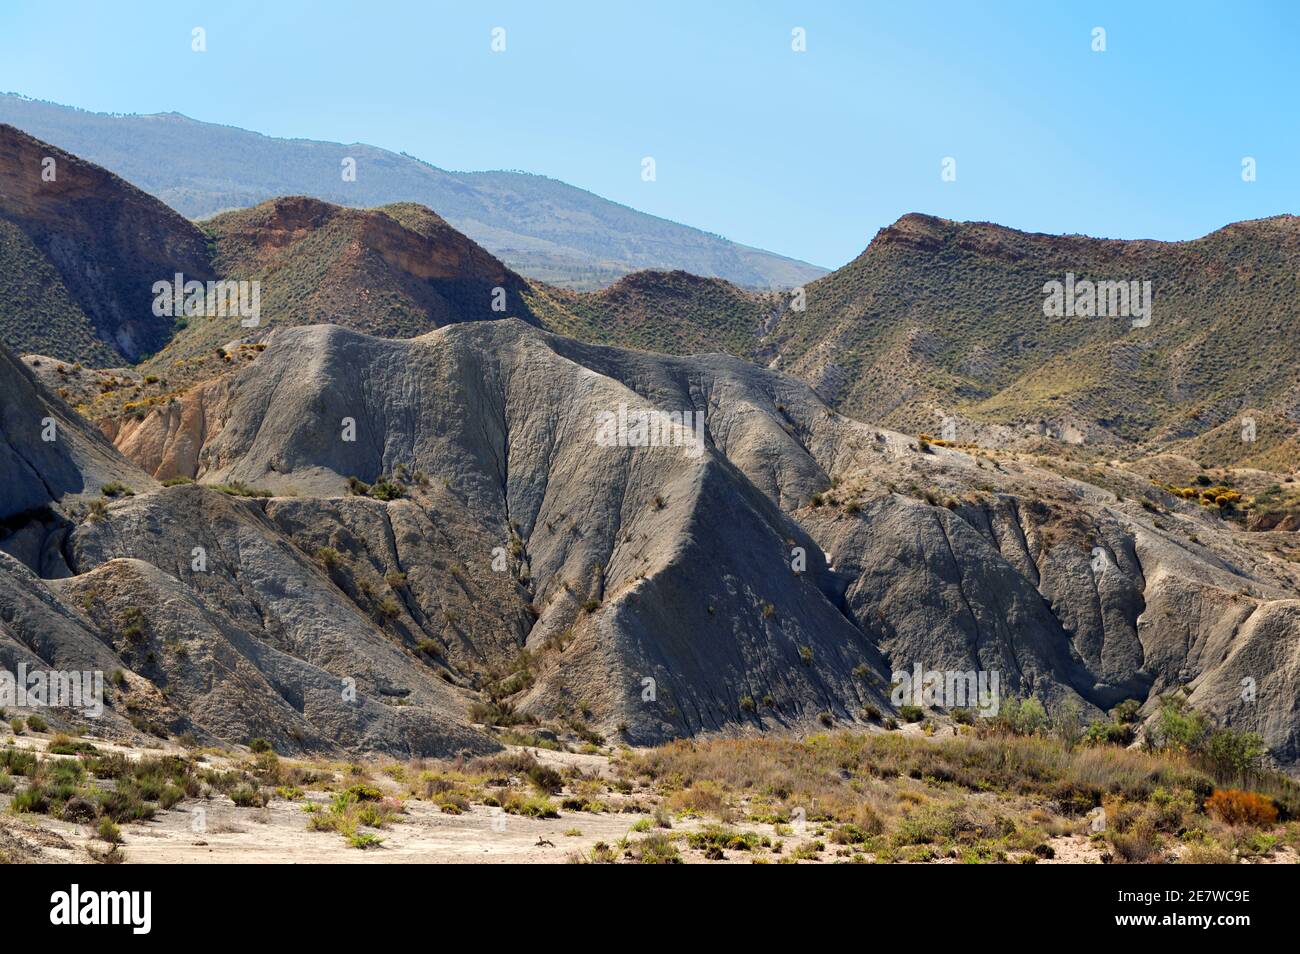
438	519
940	320
398	271
345	541
672	312
939	317
80	250
542	228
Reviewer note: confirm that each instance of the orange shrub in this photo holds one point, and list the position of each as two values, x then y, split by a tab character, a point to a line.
1234	807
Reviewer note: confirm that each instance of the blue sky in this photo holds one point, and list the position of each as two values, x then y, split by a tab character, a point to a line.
807	154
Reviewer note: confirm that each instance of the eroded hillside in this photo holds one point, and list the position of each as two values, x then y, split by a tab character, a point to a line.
436	519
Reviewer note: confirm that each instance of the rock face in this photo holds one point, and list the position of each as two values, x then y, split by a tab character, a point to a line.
215	622
785	570
47	453
100	241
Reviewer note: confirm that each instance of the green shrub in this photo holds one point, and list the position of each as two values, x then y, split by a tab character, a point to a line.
1178	727
32	799
238	488
18	761
1109	733
328	557
247	796
545	779
386	490
911	713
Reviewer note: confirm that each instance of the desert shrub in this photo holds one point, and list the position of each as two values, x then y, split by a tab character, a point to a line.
545	779
1231	755
1109	733
1178	727
529	807
1126	711
36	723
18	761
849	834
79	809
496	713
717	838
911	713
33	799
1139	844
704	797
64	745
1021	716
328	557
1235	807
656	849
384	489
237	488
1207	852
247	796
108	831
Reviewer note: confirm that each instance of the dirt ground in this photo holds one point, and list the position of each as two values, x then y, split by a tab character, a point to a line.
211	829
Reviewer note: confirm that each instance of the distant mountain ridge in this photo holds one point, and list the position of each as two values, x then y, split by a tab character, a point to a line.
543	228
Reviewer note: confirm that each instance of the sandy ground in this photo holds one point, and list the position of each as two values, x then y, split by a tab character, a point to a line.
278	834
215	831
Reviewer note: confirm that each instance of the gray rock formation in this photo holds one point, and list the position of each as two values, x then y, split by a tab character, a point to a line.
774	575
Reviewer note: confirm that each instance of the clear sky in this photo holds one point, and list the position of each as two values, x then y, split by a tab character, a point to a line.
807	154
